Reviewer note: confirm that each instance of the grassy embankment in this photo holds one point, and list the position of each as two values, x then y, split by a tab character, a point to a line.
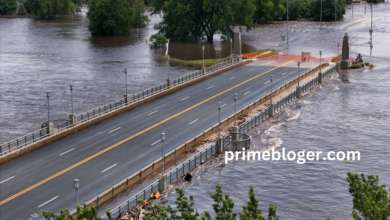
207	62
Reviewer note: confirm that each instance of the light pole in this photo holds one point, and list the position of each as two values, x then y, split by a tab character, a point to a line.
271	90
371	31
235	108
320	60
169	59
299	63
288	4
321	17
162	158
337	56
125	71
71	96
219	120
76	187
203	55
48	109
231	48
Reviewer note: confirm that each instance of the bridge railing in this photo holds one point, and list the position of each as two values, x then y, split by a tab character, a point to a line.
30	138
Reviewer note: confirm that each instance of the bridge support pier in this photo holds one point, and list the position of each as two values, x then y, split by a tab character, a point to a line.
219	145
271	110
163	182
298	92
127	99
73	119
169	82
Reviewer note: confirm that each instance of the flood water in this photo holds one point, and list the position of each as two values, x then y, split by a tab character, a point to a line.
39	56
350	112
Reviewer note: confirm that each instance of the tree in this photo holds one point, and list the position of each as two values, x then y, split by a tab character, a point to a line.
157	40
109	17
83	212
140	19
268	10
193	19
328	9
252	211
223	205
8	7
370	200
49	8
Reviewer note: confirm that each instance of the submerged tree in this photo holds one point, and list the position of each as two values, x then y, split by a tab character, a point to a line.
8	7
268	10
140	19
328	10
109	17
192	19
49	8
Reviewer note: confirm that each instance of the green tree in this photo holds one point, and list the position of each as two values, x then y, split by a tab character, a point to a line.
223	205
193	19
8	7
370	200
140	19
109	17
298	9
83	212
49	8
157	40
268	10
252	211
328	10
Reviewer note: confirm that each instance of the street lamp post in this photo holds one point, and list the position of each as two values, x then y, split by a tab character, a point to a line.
337	56
48	109
203	55
271	90
231	48
125	71
299	63
235	109
219	120
320	60
169	70
71	96
371	31
162	158
76	187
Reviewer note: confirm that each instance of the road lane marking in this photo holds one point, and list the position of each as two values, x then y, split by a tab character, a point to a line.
232	77
109	168
153	112
67	151
184	98
193	122
114	130
7	179
251	70
48	201
135	135
247	93
156	142
223	105
284	74
266	82
210	87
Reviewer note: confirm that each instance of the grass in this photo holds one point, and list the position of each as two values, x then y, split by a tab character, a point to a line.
207	62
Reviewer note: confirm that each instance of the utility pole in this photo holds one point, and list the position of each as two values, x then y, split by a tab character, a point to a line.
371	31
162	158
48	108
125	71
235	108
169	69
203	55
71	96
219	120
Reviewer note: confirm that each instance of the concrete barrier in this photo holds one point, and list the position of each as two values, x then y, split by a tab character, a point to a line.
80	126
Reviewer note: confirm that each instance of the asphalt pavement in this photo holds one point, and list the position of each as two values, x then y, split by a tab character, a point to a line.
112	150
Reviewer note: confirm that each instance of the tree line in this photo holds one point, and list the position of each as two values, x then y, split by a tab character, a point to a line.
371	201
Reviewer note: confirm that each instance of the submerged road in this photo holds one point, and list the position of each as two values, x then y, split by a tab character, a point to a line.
112	150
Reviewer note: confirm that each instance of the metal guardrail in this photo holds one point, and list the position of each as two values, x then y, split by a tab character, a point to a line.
189	164
25	140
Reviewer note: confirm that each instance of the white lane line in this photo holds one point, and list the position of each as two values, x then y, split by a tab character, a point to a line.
193	122
284	74
114	130
153	112
155	142
247	93
266	82
210	87
67	151
223	105
48	201
233	77
109	168
251	70
6	179
184	98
